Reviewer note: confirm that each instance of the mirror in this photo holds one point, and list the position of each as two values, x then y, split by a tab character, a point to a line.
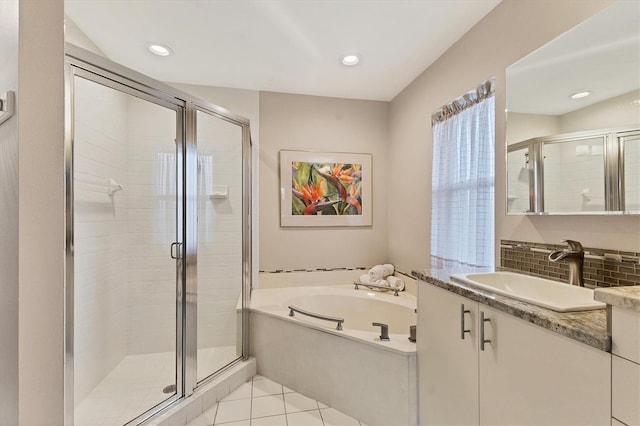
573	120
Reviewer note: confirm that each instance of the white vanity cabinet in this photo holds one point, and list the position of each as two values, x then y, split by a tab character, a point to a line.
526	374
447	364
531	375
625	365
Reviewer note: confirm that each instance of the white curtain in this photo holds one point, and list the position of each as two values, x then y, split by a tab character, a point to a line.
166	180
165	192
463	192
206	212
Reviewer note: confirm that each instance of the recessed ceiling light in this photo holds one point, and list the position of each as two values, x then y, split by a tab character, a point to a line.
579	95
159	49
350	60
636	102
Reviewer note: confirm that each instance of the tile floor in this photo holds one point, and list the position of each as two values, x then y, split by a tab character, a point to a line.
262	402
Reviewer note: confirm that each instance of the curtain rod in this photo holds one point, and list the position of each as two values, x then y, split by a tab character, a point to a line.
472	97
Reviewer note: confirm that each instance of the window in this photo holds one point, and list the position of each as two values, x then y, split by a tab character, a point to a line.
463	189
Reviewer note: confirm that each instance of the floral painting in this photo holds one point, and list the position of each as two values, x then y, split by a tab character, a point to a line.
325	189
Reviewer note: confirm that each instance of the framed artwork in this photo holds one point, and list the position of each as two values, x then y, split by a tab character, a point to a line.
325	189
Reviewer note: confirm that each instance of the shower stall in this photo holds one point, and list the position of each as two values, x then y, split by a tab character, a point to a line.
158	242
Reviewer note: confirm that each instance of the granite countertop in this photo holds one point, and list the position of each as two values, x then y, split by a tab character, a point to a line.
589	327
621	297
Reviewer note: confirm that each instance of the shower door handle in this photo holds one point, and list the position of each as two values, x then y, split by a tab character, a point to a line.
176	253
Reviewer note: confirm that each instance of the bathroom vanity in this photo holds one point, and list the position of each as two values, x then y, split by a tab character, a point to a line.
624	305
489	359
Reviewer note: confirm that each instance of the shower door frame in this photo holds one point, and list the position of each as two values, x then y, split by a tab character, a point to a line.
193	107
82	63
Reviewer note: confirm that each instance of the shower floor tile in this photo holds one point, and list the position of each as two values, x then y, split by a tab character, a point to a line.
135	385
263	402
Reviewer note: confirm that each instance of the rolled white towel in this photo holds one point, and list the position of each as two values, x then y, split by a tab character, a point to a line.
381	282
389	269
396	283
365	278
377	273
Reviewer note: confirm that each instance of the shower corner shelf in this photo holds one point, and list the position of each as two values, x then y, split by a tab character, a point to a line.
220	192
98	185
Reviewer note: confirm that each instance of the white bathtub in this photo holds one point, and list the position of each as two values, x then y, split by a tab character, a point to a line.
349	369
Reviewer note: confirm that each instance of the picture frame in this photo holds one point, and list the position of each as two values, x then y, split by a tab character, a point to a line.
325	189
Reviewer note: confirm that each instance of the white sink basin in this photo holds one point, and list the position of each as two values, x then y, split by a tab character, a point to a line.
548	294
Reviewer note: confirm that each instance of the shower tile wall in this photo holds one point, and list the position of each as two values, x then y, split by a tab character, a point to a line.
518	181
151	273
100	234
219	236
632	174
125	280
579	187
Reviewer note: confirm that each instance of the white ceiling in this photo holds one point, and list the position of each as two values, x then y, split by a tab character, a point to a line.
601	55
292	46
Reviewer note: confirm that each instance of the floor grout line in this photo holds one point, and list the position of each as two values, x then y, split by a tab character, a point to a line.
286	416
286	413
320	411
251	403
215	416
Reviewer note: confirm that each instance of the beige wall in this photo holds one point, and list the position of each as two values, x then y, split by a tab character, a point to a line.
509	32
74	35
331	125
614	112
9	221
521	127
41	212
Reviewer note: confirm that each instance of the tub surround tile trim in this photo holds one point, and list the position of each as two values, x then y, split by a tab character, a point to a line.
347	268
602	267
342	268
313	277
588	327
621	297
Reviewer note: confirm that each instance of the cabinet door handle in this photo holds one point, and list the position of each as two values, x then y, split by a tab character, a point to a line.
482	339
463	330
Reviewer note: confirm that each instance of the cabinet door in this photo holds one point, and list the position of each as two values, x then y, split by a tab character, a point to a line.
530	375
447	364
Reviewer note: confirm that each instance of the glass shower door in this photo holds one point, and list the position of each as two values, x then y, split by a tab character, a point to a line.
126	168
631	161
574	173
220	242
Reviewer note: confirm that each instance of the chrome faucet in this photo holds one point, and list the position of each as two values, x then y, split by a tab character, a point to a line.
384	331
574	256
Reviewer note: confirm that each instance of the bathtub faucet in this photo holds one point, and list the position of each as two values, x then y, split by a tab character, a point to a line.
574	256
384	331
